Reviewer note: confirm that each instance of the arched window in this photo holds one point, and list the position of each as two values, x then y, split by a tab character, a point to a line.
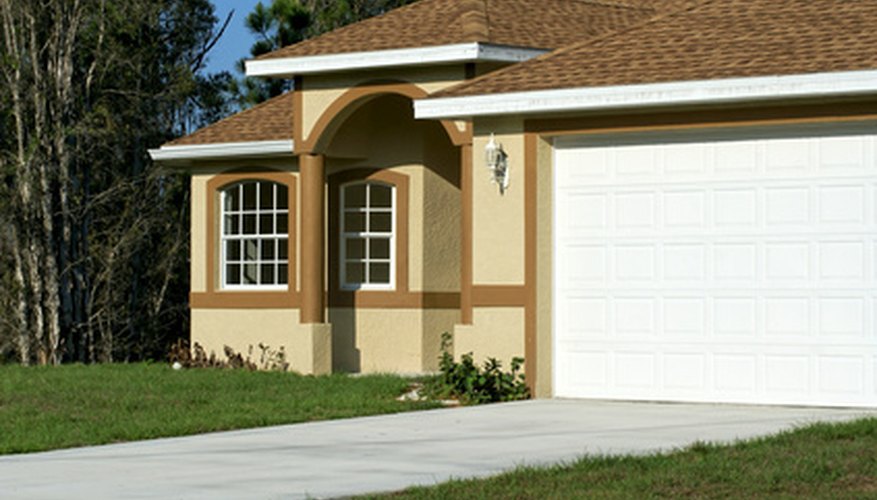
255	235
368	227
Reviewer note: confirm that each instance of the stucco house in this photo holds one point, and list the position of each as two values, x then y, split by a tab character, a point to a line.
648	200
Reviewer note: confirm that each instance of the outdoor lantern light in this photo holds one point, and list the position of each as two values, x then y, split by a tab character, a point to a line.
497	163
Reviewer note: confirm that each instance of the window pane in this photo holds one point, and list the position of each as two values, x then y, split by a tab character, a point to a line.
282	274
379	273
282	249
355	273
251	274
355	248
354	222
266	195
233	274
232	224
282	227
282	198
250	196
251	250
233	250
379	248
268	249
249	224
268	274
381	196
231	199
381	223
266	224
354	196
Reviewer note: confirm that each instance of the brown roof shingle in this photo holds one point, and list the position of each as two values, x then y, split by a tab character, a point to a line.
712	40
268	121
543	24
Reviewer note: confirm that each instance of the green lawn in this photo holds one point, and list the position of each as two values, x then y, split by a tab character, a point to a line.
43	408
822	461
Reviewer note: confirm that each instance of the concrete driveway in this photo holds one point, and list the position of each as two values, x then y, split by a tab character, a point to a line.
347	457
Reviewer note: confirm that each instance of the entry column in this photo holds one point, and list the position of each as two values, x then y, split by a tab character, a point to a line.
313	175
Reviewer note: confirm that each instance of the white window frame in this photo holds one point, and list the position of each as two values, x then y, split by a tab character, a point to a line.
367	236
259	236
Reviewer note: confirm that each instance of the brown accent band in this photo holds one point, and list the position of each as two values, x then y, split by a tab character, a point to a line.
312	227
395	300
530	246
333	117
244	300
214	297
371	298
499	296
683	120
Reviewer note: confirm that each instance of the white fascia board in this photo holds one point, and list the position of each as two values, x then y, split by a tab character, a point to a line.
463	52
222	150
656	94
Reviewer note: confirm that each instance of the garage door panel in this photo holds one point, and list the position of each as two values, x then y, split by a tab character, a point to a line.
718	270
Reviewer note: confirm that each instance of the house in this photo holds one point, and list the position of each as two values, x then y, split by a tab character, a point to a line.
648	200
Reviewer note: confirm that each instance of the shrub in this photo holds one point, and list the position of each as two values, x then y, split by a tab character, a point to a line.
471	384
197	357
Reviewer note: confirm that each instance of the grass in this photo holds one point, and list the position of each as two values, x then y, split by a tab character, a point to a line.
820	461
45	408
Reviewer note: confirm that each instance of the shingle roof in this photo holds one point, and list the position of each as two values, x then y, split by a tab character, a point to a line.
268	121
542	24
712	40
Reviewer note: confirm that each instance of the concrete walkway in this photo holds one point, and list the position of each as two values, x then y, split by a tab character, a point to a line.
347	457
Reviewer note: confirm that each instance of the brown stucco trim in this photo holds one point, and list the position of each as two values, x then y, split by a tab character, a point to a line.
398	298
214	297
466	236
313	181
297	111
697	119
333	116
531	159
499	296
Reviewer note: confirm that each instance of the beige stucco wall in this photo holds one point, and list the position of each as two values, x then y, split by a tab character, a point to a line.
320	91
495	332
202	173
388	340
498	220
307	347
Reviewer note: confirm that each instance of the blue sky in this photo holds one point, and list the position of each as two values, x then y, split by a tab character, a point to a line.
236	41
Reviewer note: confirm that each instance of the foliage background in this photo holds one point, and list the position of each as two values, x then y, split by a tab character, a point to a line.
93	235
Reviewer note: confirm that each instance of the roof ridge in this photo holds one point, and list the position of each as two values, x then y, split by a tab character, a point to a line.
576	46
611	3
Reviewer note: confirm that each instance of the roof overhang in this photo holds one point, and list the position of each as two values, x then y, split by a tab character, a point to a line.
441	54
225	150
699	92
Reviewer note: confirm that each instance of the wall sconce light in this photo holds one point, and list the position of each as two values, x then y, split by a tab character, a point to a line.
498	164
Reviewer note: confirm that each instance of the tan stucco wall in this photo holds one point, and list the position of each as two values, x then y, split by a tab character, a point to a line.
498	220
320	91
307	347
544	275
495	332
388	340
383	134
202	173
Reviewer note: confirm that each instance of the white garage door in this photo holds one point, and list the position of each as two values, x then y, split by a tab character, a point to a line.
726	268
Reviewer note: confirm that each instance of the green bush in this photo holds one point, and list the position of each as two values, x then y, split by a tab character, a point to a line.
471	384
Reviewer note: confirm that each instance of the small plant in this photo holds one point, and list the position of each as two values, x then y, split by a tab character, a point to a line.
471	384
181	355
